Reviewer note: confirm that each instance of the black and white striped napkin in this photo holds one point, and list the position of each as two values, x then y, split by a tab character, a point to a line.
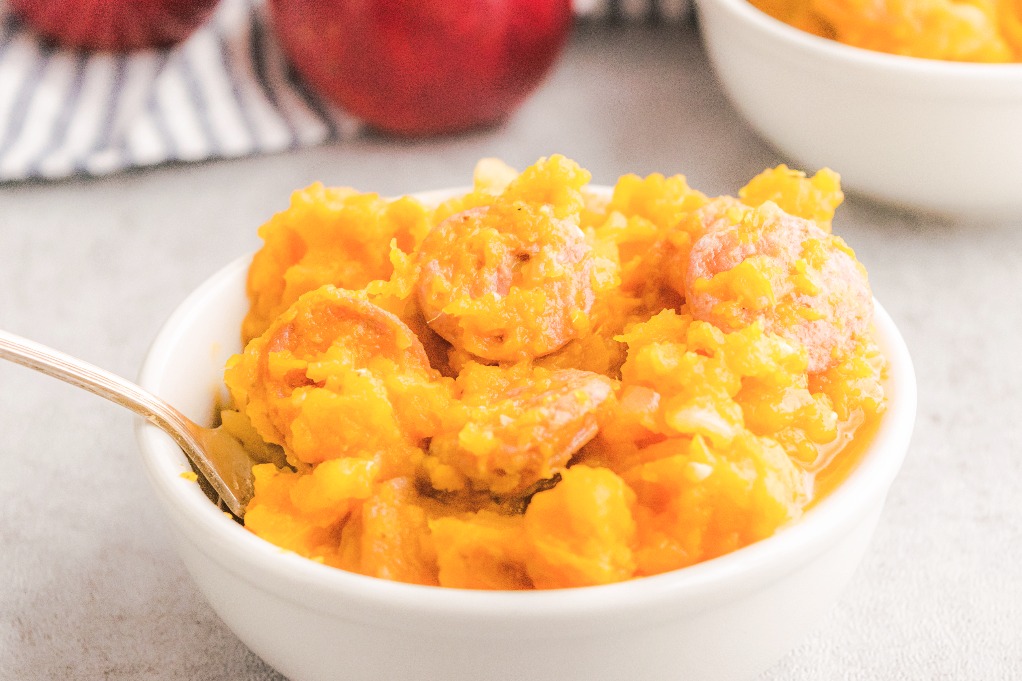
225	92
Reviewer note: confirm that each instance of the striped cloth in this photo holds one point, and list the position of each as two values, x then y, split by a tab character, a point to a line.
225	92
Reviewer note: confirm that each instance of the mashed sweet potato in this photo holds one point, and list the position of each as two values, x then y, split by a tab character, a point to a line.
951	30
535	385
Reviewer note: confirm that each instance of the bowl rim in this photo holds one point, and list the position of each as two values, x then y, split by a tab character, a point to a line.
320	587
862	57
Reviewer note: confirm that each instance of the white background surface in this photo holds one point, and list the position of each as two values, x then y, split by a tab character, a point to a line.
90	587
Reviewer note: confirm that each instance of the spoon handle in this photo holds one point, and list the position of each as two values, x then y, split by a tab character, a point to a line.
192	438
84	375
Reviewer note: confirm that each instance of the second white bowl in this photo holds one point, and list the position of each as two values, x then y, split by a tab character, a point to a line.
932	135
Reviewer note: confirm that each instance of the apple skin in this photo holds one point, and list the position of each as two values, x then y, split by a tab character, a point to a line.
423	67
119	25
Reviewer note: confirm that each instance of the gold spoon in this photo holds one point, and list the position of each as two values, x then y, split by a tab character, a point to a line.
215	454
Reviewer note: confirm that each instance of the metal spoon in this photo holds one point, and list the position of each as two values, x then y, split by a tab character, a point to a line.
217	456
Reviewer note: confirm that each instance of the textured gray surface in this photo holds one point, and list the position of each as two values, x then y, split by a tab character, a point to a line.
90	587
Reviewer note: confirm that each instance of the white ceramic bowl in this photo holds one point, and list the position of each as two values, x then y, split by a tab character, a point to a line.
939	136
725	619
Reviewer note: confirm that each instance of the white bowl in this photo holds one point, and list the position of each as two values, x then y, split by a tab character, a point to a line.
934	135
728	618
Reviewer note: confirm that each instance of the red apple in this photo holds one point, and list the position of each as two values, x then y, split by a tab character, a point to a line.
115	24
419	67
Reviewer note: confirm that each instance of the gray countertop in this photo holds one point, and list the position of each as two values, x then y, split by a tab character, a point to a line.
90	586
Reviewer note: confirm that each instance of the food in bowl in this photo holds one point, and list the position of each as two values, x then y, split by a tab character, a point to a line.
536	384
973	31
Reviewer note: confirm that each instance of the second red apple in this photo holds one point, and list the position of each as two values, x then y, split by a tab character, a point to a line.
420	67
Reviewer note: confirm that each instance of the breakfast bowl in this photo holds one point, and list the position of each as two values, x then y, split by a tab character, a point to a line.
729	618
936	136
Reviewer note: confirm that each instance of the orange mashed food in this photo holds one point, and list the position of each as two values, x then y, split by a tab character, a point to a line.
952	30
538	385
